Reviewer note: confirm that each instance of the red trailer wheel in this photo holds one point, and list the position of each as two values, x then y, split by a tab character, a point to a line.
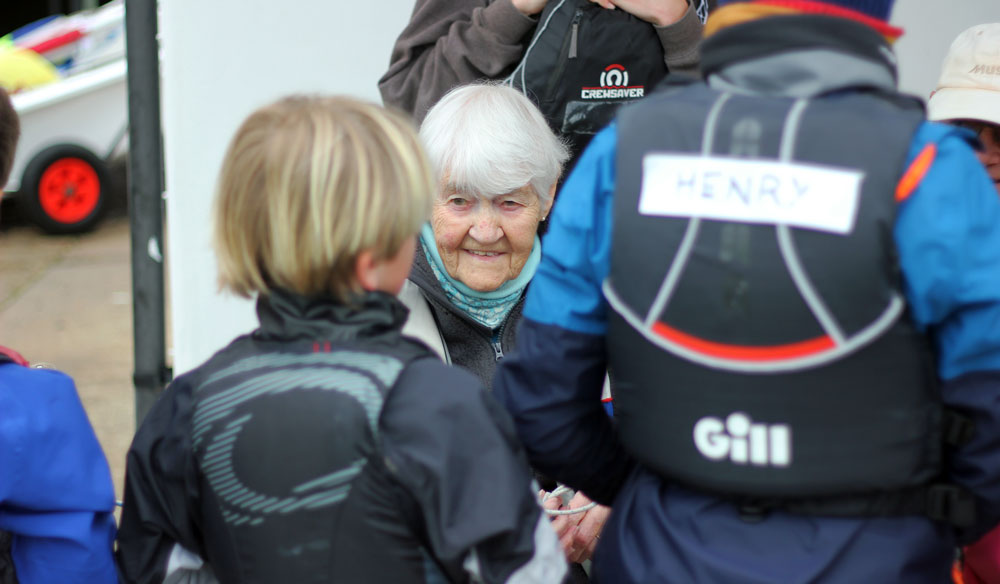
64	189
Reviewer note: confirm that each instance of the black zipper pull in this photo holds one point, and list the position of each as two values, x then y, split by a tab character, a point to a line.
497	342
574	32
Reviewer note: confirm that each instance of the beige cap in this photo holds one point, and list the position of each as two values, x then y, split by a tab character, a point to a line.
969	87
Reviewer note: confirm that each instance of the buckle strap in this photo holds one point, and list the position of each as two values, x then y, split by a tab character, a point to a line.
950	504
942	502
957	429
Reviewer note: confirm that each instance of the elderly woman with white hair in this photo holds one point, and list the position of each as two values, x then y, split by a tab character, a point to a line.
497	164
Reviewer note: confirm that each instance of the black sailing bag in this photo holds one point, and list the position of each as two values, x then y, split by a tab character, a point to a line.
584	62
7	573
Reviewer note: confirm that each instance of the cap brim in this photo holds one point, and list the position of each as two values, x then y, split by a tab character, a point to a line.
961	103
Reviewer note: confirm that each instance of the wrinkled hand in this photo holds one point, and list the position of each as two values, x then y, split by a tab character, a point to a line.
578	532
564	525
655	12
529	7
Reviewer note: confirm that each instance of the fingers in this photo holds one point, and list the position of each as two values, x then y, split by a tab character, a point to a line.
529	7
564	525
577	532
551	503
587	532
569	550
579	543
591	525
609	4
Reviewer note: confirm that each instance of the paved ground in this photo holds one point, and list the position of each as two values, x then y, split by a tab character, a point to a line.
67	301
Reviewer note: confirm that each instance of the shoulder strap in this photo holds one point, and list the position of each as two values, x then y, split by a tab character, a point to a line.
7	572
420	324
551	11
12	356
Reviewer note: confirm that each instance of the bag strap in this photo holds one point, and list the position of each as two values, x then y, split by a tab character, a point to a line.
517	77
12	356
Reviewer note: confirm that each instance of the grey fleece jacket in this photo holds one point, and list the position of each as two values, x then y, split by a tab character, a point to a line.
451	42
470	344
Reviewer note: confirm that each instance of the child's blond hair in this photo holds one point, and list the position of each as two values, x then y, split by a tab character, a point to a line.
307	184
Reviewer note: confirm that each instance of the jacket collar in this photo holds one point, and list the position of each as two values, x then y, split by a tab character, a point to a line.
798	56
423	276
289	317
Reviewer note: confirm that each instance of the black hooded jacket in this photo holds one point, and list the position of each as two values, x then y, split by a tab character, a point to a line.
325	447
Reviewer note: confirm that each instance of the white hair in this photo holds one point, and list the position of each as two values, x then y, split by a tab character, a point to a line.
488	139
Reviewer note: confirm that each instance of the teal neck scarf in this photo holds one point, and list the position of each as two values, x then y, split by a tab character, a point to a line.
487	308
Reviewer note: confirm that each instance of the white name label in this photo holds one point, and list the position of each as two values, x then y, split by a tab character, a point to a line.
750	191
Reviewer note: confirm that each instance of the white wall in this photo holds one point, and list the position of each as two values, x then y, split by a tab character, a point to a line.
930	27
221	60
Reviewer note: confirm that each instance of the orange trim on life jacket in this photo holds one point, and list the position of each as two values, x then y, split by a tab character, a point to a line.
743	352
733	14
956	573
916	172
891	33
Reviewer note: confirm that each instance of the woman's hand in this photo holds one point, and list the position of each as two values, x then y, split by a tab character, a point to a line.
578	532
588	530
564	525
655	12
529	7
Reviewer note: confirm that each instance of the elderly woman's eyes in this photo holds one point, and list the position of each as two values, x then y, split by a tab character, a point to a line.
510	204
458	202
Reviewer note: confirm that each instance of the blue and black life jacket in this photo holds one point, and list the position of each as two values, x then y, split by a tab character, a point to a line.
760	345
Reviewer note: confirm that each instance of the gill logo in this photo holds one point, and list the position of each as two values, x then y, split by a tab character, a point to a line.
744	442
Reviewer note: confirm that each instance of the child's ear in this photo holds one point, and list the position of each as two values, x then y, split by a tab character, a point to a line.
366	270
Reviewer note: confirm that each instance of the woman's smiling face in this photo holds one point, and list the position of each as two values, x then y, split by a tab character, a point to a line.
484	242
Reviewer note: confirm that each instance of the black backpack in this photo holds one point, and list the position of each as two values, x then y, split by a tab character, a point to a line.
7	573
583	63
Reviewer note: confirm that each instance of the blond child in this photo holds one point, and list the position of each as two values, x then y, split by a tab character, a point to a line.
325	446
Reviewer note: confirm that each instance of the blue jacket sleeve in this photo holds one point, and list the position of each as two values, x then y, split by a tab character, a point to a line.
576	251
949	248
552	383
56	495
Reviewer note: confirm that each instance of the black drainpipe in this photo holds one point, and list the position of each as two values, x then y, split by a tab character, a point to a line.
145	187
